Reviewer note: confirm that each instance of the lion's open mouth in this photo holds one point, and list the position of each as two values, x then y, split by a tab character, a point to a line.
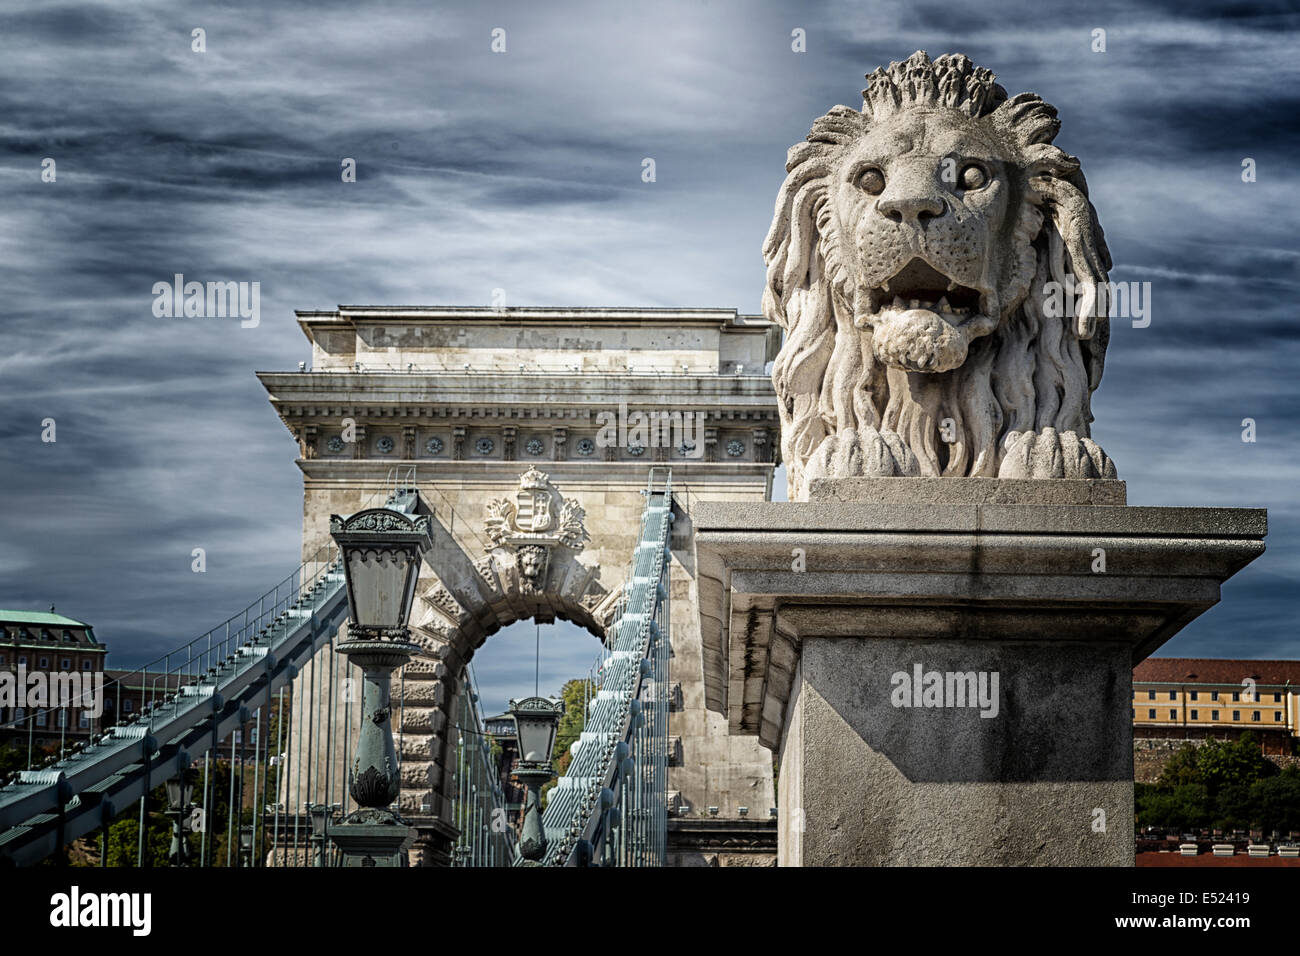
918	285
923	321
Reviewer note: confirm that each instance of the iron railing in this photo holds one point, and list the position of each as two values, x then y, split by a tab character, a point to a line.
610	808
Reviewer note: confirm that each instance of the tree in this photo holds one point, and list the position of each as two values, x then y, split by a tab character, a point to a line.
1229	784
1186	806
1239	763
574	694
15	757
1277	801
1183	767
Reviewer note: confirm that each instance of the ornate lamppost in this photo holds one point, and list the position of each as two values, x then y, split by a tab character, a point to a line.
536	721
180	790
382	550
320	814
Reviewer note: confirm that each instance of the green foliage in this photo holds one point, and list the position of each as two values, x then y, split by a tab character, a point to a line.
1186	806
573	693
1236	764
1277	800
1182	767
123	840
14	756
1227	784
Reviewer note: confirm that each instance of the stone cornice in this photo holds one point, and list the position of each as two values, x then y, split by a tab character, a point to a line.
347	315
735	836
632	473
914	570
489	415
522	390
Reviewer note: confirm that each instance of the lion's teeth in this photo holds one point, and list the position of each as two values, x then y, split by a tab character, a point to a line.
885	285
943	304
916	303
951	285
898	303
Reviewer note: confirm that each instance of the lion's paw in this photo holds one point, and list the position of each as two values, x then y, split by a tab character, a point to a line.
1053	454
862	452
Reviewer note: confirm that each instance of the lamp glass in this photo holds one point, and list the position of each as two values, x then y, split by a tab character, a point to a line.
381	584
536	739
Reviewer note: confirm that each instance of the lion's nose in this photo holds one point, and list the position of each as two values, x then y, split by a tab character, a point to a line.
914	209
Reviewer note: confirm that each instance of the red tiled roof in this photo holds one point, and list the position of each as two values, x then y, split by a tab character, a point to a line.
1209	670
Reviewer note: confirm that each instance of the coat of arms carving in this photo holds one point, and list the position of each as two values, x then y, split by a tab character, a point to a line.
537	521
538	515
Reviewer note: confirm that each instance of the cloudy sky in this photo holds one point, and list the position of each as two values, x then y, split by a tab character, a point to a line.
521	170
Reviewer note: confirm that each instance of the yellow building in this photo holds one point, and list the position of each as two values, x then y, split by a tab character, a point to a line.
1191	698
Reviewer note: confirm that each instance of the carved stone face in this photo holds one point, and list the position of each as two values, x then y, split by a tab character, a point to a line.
925	206
531	559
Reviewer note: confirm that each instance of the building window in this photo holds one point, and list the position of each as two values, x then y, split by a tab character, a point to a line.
1196	715
1277	698
1254	715
85	665
1236	696
1173	715
1214	695
126	706
1173	695
1214	715
84	720
2	660
42	717
1196	695
45	663
22	660
63	718
1277	716
1151	695
20	713
1151	714
65	664
1236	715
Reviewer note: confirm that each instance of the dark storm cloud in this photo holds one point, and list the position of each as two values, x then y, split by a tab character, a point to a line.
523	171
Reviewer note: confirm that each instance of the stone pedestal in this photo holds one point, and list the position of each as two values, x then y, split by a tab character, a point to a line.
945	664
383	842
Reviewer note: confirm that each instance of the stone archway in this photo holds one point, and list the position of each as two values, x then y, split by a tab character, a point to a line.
533	571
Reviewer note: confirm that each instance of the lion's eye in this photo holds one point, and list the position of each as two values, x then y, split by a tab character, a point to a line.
872	180
972	177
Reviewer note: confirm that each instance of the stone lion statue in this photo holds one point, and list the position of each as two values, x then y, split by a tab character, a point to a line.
912	260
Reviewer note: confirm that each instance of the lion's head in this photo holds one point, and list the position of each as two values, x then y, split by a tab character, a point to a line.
908	261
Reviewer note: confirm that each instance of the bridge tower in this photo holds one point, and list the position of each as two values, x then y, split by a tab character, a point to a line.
473	404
